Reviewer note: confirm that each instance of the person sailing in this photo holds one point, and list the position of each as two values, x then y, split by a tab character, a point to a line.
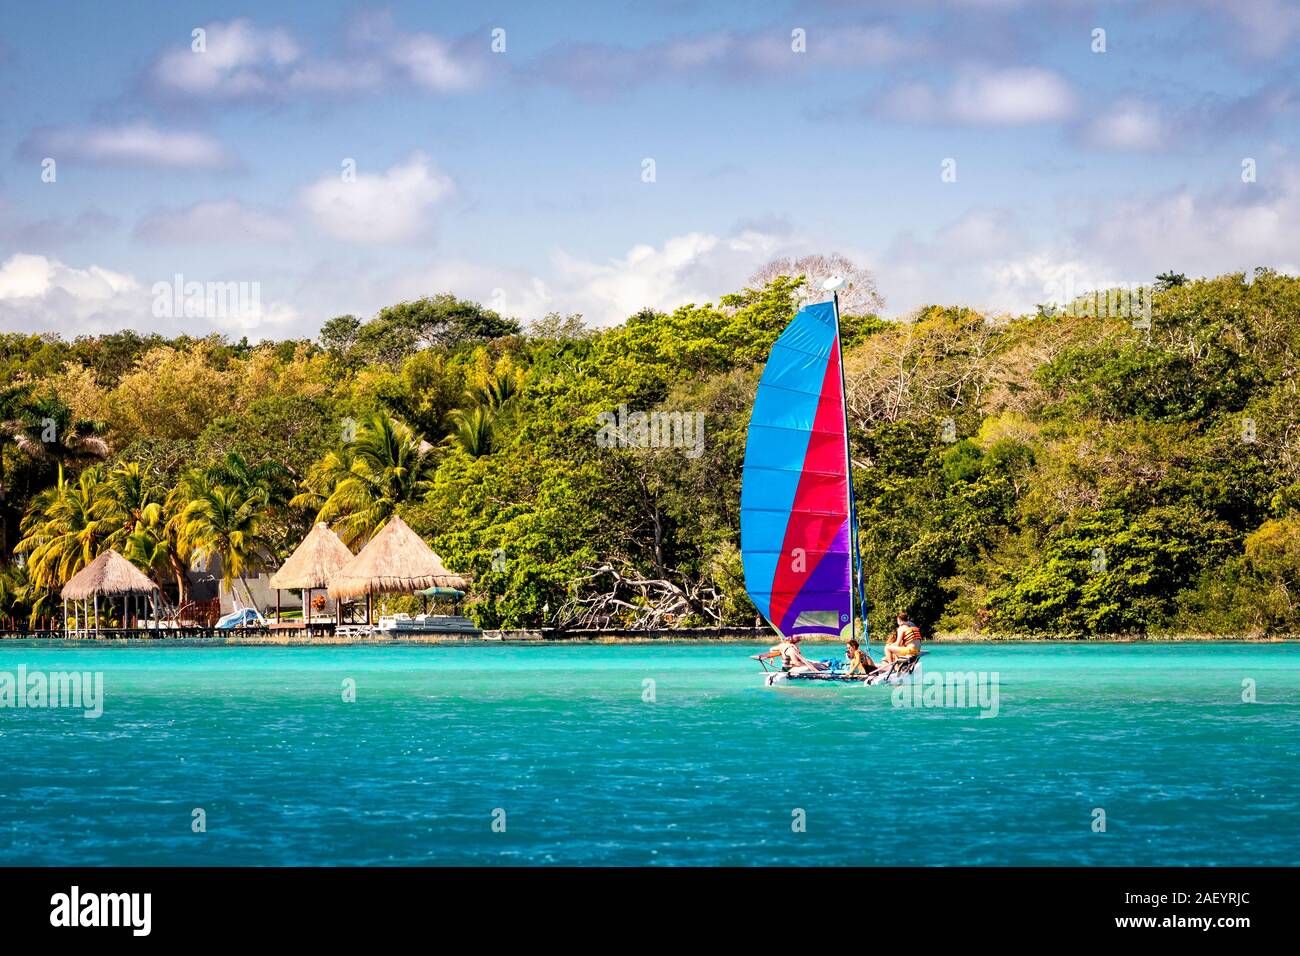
860	662
905	643
792	659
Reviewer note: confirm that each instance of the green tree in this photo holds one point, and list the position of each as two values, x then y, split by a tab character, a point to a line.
224	520
360	486
60	533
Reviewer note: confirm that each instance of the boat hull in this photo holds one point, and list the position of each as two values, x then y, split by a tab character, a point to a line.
901	673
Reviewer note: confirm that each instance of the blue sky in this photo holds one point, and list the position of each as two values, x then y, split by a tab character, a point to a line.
516	177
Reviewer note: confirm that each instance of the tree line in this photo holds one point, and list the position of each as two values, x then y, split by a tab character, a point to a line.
1063	472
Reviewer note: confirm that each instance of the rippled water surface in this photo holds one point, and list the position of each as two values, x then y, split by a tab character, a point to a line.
713	770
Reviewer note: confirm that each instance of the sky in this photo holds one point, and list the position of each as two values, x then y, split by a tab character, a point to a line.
328	158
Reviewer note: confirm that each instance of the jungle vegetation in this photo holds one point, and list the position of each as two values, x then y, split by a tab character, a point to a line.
1068	472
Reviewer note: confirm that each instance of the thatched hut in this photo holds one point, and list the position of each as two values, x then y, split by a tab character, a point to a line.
310	567
111	575
396	560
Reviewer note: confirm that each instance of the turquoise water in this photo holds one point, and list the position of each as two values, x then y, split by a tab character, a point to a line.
712	771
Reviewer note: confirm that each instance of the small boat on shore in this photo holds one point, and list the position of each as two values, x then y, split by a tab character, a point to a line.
403	623
241	617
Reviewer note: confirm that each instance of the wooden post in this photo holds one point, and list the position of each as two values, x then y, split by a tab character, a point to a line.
65	615
277	605
97	614
306	607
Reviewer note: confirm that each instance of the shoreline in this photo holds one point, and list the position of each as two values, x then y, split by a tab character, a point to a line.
552	638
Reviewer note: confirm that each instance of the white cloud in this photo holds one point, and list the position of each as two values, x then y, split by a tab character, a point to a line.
984	96
132	144
243	61
25	276
1011	96
992	260
692	268
510	291
844	46
696	267
238	59
1128	125
432	64
596	67
1206	233
379	207
989	258
41	294
55	229
38	294
1267	27
214	220
272	320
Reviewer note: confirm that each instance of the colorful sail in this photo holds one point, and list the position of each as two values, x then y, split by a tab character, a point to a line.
795	514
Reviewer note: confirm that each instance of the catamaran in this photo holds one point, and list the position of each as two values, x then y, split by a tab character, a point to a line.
798	521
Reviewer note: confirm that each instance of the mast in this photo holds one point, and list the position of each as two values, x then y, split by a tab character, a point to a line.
848	470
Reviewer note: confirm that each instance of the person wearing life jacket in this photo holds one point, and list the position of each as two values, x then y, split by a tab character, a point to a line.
906	641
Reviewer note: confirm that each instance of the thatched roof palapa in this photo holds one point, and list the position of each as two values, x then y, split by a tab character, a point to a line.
312	564
395	560
109	574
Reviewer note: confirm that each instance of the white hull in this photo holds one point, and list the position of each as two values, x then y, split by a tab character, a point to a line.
780	677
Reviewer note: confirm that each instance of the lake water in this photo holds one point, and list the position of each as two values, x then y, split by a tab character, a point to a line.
562	744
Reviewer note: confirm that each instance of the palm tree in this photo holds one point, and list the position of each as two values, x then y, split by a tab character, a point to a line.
47	429
135	515
361	485
472	430
13	406
129	500
496	391
471	427
13	591
233	471
157	548
223	520
323	477
60	532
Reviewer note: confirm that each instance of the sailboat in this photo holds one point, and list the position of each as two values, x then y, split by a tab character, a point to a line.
798	521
